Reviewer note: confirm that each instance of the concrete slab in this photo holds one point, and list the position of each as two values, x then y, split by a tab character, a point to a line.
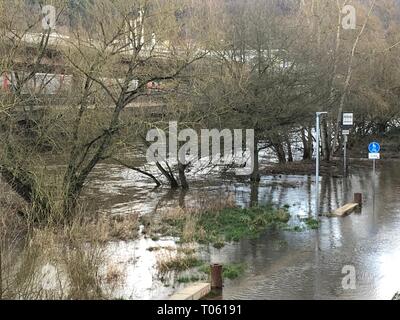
345	210
195	291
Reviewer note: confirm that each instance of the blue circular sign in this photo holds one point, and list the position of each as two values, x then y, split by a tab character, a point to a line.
374	147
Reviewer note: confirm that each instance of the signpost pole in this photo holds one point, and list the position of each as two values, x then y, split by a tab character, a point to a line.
318	132
373	184
317	170
347	124
374	149
345	156
374	174
374	170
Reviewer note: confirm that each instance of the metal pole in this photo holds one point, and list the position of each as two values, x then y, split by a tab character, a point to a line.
317	170
373	184
374	170
317	126
345	156
374	175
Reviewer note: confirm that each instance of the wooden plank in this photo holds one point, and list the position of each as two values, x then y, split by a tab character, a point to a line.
193	292
345	210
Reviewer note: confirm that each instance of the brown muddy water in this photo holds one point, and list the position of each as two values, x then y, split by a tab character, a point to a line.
280	264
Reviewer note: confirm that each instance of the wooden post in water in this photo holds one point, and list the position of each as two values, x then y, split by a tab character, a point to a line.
216	276
358	199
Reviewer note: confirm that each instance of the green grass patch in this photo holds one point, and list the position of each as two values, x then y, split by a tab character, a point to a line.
179	263
229	271
187	279
233	271
312	223
234	224
222	226
306	224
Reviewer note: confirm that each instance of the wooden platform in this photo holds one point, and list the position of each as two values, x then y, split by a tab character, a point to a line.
345	210
193	292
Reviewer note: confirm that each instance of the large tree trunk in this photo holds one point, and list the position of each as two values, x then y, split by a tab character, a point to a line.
254	192
24	184
289	148
307	150
173	183
310	141
280	152
255	175
325	141
182	176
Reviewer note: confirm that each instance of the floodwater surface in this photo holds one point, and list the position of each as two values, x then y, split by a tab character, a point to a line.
280	264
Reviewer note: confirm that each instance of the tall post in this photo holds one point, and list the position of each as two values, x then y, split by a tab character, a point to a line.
318	133
216	276
374	176
347	124
374	170
345	155
317	170
373	185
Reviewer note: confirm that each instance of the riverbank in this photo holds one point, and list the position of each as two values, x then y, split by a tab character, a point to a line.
333	168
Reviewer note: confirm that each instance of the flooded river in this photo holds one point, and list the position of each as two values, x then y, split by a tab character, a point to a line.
280	264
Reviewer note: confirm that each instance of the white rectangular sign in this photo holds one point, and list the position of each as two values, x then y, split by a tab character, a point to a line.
348	119
374	156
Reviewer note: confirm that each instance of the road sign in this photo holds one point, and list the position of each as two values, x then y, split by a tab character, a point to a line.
348	119
345	132
374	156
374	147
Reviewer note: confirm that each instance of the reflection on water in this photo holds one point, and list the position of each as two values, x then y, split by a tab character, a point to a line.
281	265
138	265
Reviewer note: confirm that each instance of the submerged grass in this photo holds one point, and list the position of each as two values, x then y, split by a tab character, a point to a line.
189	279
177	263
56	261
312	223
306	224
229	271
234	224
224	225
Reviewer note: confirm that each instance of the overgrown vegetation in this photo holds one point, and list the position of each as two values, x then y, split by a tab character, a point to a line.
305	224
53	263
225	225
176	262
189	279
57	261
229	271
312	223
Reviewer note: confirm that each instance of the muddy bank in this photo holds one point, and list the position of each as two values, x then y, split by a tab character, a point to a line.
330	169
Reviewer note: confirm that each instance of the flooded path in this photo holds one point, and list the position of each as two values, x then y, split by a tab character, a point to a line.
281	264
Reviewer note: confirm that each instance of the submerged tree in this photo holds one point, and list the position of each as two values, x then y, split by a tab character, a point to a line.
112	62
